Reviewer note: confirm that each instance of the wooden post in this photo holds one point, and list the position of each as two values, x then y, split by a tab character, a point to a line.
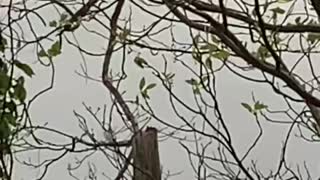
146	156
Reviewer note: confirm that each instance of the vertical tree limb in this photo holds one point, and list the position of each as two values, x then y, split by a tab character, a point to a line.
146	156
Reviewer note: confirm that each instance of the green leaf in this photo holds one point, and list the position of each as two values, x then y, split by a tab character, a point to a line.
247	106
63	17
9	118
205	47
312	37
196	90
150	86
11	106
4	129
3	66
210	47
20	92
221	55
313	22
53	23
263	53
70	26
205	78
192	82
42	53
208	63
278	10
4	82
124	34
1	103
142	83
259	106
20	80
169	77
55	49
24	67
140	61
297	20
145	94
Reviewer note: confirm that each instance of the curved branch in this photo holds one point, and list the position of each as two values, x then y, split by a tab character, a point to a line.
229	39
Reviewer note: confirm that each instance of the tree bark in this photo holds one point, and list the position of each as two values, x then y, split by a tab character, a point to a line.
146	156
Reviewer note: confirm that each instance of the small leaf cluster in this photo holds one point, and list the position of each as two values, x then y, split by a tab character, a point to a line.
12	92
254	109
313	38
262	53
212	49
144	88
168	78
123	35
53	51
65	23
275	12
197	85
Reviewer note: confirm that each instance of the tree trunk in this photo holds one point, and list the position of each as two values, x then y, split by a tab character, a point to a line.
146	158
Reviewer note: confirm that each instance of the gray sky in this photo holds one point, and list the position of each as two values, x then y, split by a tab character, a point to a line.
70	91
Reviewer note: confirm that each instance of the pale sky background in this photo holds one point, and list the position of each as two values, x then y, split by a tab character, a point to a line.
70	91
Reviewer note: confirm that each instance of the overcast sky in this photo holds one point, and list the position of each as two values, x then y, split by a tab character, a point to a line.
70	91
